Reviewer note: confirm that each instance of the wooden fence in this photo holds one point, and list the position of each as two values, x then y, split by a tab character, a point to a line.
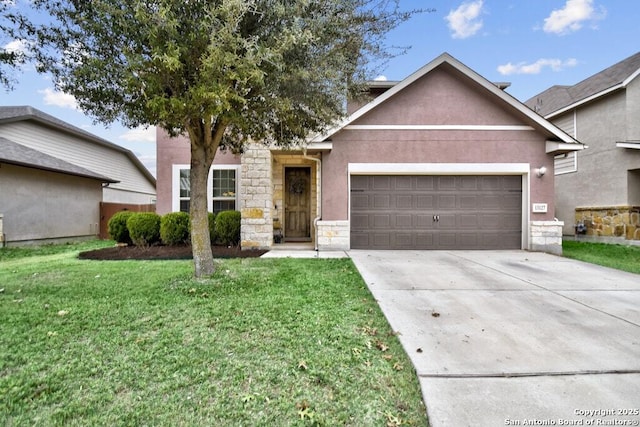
107	210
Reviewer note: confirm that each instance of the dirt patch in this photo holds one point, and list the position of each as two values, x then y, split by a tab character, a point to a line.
164	252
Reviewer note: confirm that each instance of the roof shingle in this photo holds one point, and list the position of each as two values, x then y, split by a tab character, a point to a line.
16	154
558	97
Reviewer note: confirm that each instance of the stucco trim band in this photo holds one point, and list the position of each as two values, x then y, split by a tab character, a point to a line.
441	127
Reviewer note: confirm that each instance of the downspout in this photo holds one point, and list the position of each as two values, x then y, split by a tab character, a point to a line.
318	194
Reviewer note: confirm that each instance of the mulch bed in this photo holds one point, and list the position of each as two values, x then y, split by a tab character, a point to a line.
164	252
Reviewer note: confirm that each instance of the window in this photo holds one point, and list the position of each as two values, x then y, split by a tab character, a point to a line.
222	188
185	190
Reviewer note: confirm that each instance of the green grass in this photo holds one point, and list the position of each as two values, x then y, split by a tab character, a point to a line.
264	342
626	258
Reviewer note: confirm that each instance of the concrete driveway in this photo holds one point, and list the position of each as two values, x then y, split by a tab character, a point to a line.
512	337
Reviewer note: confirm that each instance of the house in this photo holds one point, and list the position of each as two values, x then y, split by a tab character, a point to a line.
443	159
56	179
598	190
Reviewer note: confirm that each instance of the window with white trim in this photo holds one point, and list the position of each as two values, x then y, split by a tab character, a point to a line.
222	188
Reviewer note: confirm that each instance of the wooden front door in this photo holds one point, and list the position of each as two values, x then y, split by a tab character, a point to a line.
297	205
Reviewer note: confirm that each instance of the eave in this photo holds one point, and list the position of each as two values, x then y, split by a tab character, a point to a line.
634	145
559	147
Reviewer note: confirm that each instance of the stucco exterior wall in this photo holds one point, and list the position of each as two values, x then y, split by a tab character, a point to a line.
603	176
39	206
439	98
172	151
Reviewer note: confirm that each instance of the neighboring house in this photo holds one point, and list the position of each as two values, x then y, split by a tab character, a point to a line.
598	190
441	160
54	176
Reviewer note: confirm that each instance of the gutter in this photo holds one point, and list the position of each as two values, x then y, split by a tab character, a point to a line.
318	194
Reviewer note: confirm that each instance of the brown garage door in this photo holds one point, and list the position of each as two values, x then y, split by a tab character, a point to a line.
436	212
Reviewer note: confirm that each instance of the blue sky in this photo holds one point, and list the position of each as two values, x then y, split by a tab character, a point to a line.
533	44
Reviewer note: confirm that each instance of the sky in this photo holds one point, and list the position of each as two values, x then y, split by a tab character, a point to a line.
533	44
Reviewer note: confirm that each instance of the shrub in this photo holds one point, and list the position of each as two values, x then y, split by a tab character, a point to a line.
117	225
174	228
144	228
228	227
212	227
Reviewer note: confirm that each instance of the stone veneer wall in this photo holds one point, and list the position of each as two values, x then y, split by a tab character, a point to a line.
610	221
333	236
256	198
546	236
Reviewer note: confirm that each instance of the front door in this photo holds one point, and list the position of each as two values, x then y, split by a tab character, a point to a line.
297	206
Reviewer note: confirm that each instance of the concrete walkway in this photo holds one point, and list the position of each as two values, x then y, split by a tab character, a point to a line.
511	337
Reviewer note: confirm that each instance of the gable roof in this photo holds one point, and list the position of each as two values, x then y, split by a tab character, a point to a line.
10	114
553	131
19	155
558	99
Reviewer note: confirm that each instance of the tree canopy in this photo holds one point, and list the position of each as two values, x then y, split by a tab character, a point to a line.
225	72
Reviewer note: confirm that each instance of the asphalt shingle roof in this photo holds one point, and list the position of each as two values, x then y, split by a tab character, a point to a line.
16	154
558	97
17	113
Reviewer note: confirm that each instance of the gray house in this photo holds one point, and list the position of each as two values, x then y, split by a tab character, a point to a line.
598	189
55	178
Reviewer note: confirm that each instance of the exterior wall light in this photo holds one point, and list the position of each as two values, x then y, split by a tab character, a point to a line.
540	171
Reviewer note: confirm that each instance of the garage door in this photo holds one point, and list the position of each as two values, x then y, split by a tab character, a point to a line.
436	212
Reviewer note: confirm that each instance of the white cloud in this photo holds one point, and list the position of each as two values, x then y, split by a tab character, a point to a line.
464	21
59	99
536	67
380	78
572	16
140	134
16	46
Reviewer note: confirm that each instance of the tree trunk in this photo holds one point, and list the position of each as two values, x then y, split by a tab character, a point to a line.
200	238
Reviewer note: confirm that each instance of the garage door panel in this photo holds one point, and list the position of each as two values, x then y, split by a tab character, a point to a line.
423	240
404	240
446	183
382	201
403	221
490	201
404	201
511	222
422	221
490	183
511	201
359	182
425	201
468	202
380	221
471	212
468	221
467	240
403	183
359	200
359	221
381	183
381	240
447	221
467	183
446	201
425	183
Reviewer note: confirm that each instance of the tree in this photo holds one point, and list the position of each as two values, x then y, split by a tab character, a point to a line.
225	72
11	56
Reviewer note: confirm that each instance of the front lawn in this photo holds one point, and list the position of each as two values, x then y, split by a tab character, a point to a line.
626	258
265	342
